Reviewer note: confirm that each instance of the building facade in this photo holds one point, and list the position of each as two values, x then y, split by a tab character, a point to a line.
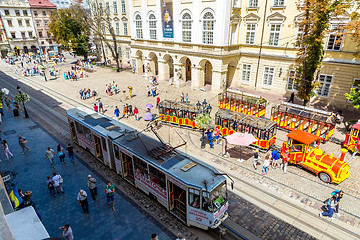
247	45
41	11
4	42
19	27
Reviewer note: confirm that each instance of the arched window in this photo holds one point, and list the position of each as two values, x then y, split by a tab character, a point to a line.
138	27
186	27
208	28
152	26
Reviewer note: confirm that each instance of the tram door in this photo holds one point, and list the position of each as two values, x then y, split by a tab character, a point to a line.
127	167
98	151
177	201
73	131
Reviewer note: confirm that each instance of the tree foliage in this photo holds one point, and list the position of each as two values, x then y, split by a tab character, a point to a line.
353	27
69	27
354	97
314	26
203	120
21	98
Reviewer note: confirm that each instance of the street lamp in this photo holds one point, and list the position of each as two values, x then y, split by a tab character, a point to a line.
22	100
204	103
198	104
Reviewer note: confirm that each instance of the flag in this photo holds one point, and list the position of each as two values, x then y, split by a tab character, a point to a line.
15	198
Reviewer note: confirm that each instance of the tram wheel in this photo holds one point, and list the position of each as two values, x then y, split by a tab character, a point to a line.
325	177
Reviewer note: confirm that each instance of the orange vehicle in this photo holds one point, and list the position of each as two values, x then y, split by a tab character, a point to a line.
237	101
302	148
352	139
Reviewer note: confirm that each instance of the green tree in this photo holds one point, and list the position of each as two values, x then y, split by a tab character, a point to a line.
353	27
314	27
69	27
354	97
203	120
21	98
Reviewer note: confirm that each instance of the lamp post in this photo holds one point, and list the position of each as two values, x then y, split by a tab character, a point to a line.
22	100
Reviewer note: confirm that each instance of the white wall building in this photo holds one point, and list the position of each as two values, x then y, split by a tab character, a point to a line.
19	26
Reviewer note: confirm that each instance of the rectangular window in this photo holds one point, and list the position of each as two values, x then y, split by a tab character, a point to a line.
107	4
38	23
125	28
103	142
40	35
186	30
20	22
194	198
141	166
250	33
279	2
46	23
30	34
119	51
17	12
44	13
79	128
253	3
128	53
27	22
123	7
274	34
157	176
25	12
13	35
335	38
23	34
6	12
9	22
246	72
325	84
291	84
115	7
117	152
268	76
35	13
101	10
117	28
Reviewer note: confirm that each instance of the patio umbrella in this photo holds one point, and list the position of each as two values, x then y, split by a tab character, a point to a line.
149	105
241	139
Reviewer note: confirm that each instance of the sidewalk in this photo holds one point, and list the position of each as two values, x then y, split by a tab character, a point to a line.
33	168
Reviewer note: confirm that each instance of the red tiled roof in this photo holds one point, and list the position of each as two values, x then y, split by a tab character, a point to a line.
41	4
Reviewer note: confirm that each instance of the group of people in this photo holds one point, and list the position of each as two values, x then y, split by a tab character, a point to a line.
111	88
87	93
332	204
50	154
127	112
184	98
270	160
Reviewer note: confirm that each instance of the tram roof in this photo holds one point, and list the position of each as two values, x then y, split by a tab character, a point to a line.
237	94
258	122
178	105
172	163
303	137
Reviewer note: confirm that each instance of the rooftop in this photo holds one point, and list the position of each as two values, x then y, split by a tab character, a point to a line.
303	137
41	4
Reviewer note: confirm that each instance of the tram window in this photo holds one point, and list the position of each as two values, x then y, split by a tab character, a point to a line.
314	144
355	132
117	152
206	203
194	198
87	133
219	196
297	148
103	143
157	176
140	165
79	128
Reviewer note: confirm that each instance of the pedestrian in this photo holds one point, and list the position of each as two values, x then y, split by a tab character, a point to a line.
129	110
153	90
256	158
92	187
22	143
148	90
136	113
100	107
124	111
61	153
210	138
292	97
70	151
180	237
285	161
67	233
157	101
81	92
339	195
154	236
117	112
266	165
275	156
331	207
58	182
182	97
187	98
94	94
6	150
217	136
50	154
50	185
110	196
82	199
95	107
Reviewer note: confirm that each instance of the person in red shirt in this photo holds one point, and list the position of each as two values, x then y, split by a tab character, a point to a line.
136	113
157	101
95	107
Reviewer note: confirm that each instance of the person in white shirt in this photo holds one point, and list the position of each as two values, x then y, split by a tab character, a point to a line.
50	155
266	165
67	233
82	199
57	181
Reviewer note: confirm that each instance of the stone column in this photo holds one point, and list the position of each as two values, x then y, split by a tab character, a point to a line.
197	79
179	75
218	80
162	65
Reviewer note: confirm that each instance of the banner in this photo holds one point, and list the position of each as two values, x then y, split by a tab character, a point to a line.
15	198
167	19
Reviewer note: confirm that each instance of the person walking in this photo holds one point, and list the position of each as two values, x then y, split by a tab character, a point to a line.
157	101
6	150
117	112
22	143
61	153
148	90
50	154
256	158
266	165
210	138
82	199
339	195
187	98
182	97
217	136
153	90
275	156
50	185
285	162
92	187
58	182
331	207
67	233
110	196
136	113
292	97
70	151
100	107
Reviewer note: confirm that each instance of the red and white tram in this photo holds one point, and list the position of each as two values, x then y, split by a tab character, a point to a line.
193	191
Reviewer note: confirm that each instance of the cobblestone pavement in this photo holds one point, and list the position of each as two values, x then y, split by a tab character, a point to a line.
32	168
311	191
